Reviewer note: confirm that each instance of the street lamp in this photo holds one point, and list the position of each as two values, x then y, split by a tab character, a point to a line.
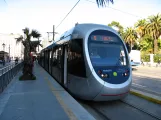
9	50
3	53
3	46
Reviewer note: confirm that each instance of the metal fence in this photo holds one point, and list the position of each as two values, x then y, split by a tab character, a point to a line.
7	74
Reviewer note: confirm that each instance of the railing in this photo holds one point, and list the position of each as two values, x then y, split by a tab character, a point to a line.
7	74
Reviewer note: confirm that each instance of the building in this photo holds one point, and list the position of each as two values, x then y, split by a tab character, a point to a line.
4	56
8	44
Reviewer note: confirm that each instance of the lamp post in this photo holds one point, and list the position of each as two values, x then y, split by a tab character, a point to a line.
3	46
3	53
9	53
9	50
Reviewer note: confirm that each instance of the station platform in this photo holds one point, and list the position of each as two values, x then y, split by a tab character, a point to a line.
40	99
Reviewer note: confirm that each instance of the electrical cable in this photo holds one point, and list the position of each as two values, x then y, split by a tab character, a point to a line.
68	13
116	9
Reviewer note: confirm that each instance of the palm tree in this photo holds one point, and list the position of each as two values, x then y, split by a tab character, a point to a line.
130	36
140	27
26	41
153	28
103	3
37	35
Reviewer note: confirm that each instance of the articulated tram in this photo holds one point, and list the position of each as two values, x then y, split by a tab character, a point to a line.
91	61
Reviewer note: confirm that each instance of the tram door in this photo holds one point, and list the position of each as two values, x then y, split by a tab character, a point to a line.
61	65
65	66
50	60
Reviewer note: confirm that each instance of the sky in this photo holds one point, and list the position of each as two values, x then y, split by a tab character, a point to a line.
43	14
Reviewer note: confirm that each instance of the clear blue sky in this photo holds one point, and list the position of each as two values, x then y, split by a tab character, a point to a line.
42	14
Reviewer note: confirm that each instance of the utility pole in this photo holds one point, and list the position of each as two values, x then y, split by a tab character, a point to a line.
52	33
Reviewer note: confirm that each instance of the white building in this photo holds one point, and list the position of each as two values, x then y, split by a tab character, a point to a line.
9	45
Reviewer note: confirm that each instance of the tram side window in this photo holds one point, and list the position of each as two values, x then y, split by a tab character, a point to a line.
59	52
54	63
50	55
76	64
43	54
42	57
46	56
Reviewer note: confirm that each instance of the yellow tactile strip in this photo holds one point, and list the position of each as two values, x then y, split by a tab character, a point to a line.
146	97
64	106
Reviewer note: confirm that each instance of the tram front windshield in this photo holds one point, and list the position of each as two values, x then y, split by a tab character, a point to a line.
106	49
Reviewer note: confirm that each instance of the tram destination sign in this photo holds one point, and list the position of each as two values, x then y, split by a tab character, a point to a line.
104	38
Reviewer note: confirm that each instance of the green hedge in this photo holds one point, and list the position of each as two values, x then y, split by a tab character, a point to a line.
157	57
146	58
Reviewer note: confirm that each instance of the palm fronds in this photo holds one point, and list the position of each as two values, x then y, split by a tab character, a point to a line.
19	39
103	3
35	34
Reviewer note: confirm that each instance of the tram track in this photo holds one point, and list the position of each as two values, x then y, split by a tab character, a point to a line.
121	109
141	109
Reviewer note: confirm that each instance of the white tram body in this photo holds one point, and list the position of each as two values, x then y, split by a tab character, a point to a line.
91	61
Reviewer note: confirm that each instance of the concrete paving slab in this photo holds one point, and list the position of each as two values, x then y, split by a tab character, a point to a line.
40	99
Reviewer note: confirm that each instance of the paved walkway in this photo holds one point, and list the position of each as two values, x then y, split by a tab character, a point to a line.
41	99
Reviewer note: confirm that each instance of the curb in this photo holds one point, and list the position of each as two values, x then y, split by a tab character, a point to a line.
147	97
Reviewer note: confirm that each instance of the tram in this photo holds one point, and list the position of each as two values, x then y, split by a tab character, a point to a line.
91	61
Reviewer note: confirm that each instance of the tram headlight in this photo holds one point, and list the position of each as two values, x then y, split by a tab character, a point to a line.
104	75
126	73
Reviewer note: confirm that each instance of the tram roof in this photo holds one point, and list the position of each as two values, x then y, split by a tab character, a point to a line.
80	28
84	28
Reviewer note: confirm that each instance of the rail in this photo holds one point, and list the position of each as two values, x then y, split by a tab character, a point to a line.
7	74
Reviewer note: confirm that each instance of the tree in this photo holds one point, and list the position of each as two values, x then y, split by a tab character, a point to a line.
26	41
37	35
153	28
120	27
130	36
140	27
146	44
159	43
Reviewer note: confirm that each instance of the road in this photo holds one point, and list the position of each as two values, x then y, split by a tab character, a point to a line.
148	78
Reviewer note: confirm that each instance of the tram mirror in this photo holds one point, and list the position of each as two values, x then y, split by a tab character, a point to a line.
128	47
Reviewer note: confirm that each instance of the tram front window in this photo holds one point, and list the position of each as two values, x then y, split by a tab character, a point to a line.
106	49
103	54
